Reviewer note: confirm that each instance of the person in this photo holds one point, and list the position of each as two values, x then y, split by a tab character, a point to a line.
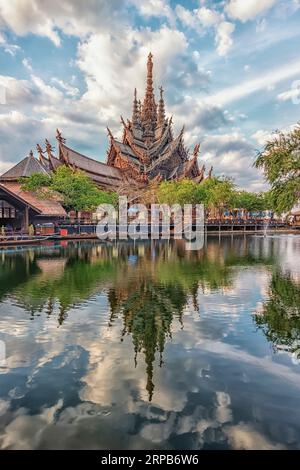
31	230
3	231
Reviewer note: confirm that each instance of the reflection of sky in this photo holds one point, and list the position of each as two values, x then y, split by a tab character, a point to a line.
220	384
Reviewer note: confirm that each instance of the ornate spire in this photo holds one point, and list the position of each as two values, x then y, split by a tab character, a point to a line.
135	111
59	137
149	110
161	109
110	133
40	151
196	151
49	148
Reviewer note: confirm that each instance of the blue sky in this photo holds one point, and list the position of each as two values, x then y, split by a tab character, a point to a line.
230	70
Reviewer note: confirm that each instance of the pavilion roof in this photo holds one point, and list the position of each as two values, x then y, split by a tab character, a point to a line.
26	167
44	207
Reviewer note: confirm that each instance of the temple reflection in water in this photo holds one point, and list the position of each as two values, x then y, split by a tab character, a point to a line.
147	285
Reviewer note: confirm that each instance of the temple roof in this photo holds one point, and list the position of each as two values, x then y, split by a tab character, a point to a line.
126	150
45	207
26	167
54	162
45	163
100	172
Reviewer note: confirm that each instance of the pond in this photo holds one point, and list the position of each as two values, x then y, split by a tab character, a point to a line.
149	346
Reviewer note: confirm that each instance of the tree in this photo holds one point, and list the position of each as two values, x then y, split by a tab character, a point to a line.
280	162
73	187
215	193
218	194
180	192
36	182
252	202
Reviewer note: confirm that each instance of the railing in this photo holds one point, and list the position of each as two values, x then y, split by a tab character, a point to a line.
79	228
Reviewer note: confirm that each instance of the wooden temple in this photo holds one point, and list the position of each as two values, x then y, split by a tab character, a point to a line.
148	151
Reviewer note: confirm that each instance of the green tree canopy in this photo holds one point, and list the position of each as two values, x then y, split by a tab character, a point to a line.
75	189
213	192
179	192
280	162
219	193
252	201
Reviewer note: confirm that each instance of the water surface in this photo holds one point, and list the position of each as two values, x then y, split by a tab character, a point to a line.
150	346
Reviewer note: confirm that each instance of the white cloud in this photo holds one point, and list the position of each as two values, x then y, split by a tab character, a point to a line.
187	17
262	137
112	90
232	155
18	92
244	89
27	64
157	8
224	39
69	89
203	19
198	18
289	95
78	18
108	92
11	49
205	116
4	166
45	18
27	130
245	10
208	17
244	436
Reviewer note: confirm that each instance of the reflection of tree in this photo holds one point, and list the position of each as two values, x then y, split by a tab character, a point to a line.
147	316
280	316
15	270
74	286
